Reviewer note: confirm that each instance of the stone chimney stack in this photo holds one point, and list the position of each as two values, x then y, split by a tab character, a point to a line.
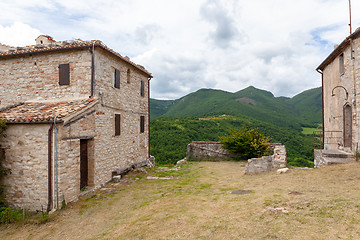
44	40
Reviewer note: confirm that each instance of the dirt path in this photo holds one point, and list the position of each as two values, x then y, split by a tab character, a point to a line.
198	204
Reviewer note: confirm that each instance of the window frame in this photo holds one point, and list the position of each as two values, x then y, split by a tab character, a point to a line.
142	124
117	122
142	88
64	74
117	78
341	64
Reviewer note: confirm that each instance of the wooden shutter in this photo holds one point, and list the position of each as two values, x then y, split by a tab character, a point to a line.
117	79
117	124
142	90
341	64
142	124
64	74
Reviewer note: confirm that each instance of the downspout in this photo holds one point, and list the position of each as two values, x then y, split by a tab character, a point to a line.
56	162
50	167
149	117
354	81
92	71
322	99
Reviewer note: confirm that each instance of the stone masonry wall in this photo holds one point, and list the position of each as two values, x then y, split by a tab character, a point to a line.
25	80
26	155
334	104
268	163
37	76
207	151
130	146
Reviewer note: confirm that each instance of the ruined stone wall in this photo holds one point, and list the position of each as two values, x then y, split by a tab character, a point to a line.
268	163
207	151
37	76
26	155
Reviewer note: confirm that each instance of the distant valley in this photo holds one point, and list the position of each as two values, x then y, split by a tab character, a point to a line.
207	113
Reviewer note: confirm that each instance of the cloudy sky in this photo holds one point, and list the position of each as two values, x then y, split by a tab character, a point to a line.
274	45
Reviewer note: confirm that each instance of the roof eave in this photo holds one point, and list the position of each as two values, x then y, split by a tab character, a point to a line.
338	50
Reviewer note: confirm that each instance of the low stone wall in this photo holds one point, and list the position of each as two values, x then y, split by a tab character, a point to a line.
207	151
212	151
268	163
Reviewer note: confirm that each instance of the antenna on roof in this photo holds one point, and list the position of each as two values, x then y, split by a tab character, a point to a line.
350	16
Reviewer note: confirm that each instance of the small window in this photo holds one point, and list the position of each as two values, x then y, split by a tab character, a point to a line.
341	64
128	76
64	74
142	124
117	78
117	124
142	90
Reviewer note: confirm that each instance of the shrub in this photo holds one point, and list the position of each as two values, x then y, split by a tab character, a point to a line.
246	143
9	215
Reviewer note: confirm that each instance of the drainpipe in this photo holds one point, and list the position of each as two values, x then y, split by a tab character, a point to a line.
322	98
92	71
50	167
56	162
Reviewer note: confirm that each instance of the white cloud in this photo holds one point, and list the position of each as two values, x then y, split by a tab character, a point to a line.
18	34
190	44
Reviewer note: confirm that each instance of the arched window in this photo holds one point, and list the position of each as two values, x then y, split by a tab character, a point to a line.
347	125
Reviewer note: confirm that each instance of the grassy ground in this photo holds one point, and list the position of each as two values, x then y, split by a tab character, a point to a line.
198	204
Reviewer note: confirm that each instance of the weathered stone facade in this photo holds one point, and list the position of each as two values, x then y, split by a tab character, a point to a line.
32	75
341	94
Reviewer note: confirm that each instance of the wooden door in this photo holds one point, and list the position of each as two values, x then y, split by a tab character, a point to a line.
347	126
83	163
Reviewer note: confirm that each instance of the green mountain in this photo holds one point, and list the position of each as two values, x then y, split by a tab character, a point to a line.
302	110
207	114
308	105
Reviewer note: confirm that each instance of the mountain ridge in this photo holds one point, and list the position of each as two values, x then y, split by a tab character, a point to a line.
304	109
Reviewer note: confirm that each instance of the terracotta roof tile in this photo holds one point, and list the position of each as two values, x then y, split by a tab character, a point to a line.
32	112
68	45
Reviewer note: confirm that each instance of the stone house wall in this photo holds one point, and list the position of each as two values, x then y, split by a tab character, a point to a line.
23	80
37	76
26	155
335	87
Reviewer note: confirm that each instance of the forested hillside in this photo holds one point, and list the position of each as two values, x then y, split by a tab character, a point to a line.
207	114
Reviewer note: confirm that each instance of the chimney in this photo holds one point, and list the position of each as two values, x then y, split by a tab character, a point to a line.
45	40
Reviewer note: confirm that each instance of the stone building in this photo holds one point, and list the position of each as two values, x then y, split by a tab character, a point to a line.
76	111
341	94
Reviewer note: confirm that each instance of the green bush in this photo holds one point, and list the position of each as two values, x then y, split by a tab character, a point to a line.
9	215
246	143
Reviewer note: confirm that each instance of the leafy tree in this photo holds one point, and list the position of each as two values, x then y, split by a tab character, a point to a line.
247	143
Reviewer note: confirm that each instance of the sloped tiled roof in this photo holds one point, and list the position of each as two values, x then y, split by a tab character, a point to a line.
68	45
36	112
339	49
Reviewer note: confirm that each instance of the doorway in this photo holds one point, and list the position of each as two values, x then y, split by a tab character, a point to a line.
347	126
84	163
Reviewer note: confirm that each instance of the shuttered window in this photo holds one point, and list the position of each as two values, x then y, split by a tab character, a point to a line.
64	74
117	124
128	76
117	78
142	124
142	90
341	64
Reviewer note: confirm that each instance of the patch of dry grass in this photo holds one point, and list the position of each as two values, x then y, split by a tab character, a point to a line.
198	204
